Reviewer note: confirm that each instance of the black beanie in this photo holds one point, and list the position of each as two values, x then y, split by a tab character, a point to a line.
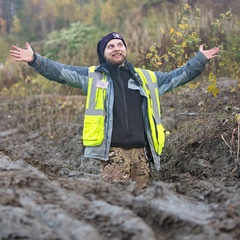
103	43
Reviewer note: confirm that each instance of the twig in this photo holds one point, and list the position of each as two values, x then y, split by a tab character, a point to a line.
231	151
15	130
238	142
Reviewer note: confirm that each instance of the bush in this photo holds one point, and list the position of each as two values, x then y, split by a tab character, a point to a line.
75	46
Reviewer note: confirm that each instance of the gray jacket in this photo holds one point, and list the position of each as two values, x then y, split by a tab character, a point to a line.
76	76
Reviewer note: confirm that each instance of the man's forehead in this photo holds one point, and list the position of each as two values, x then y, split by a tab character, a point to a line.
114	41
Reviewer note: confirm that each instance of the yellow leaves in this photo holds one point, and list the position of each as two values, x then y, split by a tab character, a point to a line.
154	56
64	103
162	30
171	54
166	57
228	13
237	117
159	63
194	86
167	133
233	90
184	44
149	55
213	89
179	34
187	7
181	26
152	48
171	30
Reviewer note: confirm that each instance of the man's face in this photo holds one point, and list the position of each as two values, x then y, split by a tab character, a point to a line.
115	52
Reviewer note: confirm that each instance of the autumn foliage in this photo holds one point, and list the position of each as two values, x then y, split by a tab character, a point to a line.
160	35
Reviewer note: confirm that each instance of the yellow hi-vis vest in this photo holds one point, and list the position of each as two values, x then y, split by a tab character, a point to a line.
150	86
93	124
93	130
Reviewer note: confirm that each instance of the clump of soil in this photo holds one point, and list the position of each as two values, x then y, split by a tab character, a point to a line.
49	191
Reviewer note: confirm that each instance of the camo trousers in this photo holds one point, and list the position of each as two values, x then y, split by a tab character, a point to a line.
126	164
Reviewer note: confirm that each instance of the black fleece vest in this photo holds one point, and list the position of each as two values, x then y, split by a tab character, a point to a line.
128	127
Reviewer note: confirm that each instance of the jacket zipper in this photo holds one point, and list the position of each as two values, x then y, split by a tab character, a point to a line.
125	106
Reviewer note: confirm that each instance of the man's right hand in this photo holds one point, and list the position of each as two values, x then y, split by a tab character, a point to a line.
22	55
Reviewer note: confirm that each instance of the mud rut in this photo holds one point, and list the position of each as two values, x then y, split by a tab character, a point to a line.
49	191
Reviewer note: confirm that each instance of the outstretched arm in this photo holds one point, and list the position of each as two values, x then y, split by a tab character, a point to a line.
193	68
211	53
22	55
74	76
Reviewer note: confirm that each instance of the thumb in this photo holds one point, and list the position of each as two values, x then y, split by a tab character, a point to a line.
201	48
27	45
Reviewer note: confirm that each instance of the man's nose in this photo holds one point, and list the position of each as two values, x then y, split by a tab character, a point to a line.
116	48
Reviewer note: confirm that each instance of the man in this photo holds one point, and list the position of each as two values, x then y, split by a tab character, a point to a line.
122	124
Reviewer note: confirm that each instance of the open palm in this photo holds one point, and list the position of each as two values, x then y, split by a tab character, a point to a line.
211	53
22	55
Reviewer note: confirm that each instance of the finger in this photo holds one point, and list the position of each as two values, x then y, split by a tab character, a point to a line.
213	56
215	51
14	51
212	49
27	45
17	48
15	55
201	48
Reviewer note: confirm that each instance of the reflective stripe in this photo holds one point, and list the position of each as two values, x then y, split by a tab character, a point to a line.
93	129
154	114
150	81
95	96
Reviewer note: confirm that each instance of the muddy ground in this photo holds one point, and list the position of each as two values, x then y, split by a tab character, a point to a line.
49	191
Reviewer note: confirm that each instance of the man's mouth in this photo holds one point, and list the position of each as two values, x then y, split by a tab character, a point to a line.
117	55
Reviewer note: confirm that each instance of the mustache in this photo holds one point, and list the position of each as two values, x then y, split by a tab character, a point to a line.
120	53
124	56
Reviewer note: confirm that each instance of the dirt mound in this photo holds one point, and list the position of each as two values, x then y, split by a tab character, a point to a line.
49	191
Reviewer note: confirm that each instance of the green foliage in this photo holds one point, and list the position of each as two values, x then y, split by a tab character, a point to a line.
178	42
165	33
212	88
25	82
72	45
114	14
4	53
3	26
229	62
38	18
16	25
20	83
8	75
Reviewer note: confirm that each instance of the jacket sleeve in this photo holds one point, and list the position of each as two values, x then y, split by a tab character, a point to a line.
170	80
73	76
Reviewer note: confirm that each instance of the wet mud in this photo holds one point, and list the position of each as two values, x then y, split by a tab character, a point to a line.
49	191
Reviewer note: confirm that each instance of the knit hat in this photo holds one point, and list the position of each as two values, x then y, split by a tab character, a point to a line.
103	43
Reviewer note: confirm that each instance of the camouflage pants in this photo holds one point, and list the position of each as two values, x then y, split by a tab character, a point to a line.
126	164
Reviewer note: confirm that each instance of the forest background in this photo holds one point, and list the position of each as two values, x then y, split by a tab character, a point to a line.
160	35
